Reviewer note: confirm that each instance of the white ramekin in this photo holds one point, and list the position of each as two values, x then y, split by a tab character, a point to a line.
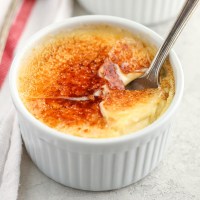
147	12
95	164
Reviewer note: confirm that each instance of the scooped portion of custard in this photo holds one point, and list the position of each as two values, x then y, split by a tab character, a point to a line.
74	82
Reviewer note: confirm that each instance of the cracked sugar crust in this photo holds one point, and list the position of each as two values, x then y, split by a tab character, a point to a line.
84	63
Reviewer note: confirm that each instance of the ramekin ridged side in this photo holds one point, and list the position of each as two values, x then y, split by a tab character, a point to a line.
95	164
143	11
90	167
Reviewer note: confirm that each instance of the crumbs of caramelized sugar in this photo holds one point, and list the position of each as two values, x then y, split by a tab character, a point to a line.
68	64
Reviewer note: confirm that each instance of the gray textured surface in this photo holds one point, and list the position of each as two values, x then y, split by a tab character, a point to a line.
178	176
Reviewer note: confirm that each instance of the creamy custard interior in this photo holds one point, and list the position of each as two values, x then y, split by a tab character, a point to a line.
75	82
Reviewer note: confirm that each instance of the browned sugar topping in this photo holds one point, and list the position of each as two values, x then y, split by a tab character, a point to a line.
62	111
67	65
130	55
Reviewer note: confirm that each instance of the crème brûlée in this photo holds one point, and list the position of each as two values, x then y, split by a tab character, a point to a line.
74	82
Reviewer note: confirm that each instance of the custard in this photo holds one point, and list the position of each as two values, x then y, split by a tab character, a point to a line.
74	82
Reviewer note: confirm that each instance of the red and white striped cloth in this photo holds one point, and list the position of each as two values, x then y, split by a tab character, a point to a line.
32	15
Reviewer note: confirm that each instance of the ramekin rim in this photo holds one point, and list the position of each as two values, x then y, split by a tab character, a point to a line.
97	19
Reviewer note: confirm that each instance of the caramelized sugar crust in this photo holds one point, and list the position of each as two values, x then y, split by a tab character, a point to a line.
130	55
56	111
82	63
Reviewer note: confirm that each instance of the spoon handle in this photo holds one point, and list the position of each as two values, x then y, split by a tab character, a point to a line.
175	31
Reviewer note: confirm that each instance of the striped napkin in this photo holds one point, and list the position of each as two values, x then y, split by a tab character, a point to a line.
30	16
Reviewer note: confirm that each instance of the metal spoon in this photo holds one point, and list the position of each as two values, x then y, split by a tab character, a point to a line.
151	78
